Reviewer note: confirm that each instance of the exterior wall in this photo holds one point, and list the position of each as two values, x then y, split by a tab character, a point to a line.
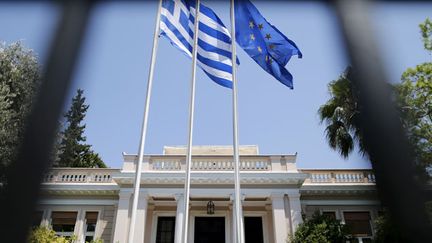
339	209
272	188
151	217
342	206
107	223
270	227
104	226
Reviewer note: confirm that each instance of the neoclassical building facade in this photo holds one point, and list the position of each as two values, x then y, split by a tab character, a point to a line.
93	203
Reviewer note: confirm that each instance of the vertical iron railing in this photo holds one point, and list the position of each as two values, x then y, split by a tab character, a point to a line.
19	198
386	143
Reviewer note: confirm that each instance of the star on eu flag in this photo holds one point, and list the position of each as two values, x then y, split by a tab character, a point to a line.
252	36
259	49
271	46
260	26
251	24
268	59
268	36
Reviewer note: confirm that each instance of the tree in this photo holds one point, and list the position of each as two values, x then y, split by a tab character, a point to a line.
320	228
19	79
413	97
426	32
386	230
73	152
340	113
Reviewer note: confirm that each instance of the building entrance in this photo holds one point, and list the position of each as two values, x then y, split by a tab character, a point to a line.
209	230
253	228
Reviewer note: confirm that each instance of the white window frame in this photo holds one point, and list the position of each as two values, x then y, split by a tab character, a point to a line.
76	226
264	218
93	234
79	230
202	213
155	219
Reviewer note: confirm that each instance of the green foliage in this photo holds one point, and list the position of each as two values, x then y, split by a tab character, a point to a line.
47	235
387	231
320	228
426	32
414	97
73	152
19	79
339	114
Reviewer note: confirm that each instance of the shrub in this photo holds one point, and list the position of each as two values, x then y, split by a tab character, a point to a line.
320	228
47	235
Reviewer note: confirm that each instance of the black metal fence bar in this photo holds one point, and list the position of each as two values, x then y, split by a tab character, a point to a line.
21	194
381	126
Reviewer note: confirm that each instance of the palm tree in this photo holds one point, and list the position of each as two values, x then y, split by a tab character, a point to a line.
339	114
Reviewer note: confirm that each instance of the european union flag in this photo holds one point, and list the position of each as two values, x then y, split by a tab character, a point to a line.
263	42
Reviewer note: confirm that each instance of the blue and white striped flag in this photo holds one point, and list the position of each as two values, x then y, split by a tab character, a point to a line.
214	40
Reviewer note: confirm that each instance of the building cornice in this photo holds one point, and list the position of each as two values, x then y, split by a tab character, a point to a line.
100	189
337	189
213	178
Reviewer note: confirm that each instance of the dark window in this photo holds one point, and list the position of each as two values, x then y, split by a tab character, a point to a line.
209	230
63	221
330	214
165	230
253	230
358	223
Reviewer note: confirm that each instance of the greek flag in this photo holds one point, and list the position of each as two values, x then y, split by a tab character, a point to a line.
214	40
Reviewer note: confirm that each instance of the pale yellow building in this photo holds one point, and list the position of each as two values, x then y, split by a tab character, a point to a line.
95	203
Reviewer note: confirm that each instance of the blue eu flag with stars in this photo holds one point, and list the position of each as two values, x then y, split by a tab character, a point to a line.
263	42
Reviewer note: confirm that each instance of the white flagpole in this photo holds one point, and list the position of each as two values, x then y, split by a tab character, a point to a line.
191	120
237	196
144	127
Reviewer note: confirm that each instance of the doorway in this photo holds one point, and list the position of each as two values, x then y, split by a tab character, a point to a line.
253	228
165	230
209	230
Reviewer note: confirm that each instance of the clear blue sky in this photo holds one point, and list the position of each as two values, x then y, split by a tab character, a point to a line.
114	63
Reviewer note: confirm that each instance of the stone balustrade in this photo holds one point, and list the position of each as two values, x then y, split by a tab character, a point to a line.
339	176
204	164
100	175
79	175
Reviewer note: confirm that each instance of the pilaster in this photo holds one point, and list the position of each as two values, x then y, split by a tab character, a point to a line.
280	229
122	217
179	218
295	210
141	217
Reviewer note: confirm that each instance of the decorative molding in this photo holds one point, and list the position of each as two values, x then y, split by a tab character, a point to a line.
336	202
214	178
75	202
337	190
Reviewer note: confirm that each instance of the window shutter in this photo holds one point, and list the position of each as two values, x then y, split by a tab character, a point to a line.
91	217
68	218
